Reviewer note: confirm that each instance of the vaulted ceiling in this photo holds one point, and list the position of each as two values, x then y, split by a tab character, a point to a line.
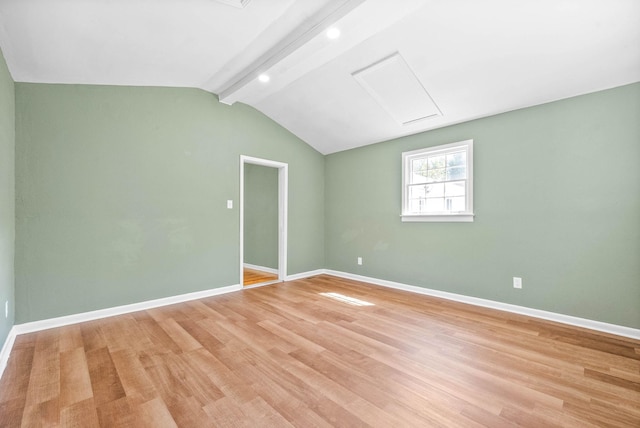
397	68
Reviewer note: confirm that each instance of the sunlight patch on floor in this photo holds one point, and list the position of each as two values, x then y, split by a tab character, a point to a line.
346	299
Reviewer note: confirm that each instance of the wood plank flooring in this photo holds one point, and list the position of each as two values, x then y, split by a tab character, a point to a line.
253	277
287	355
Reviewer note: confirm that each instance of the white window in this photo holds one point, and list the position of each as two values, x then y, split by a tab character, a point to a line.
437	183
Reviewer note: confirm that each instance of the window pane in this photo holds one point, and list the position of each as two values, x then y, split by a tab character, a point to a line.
419	165
417	178
457	173
455	204
436	175
419	191
435	205
418	171
436	162
457	159
455	188
435	190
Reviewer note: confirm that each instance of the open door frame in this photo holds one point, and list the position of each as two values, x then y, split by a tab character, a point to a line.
283	197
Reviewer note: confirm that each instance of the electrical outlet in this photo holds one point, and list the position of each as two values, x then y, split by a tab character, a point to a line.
517	282
360	260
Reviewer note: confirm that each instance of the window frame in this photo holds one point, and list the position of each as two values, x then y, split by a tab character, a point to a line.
463	216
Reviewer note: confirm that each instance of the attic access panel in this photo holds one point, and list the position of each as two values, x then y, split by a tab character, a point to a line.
397	89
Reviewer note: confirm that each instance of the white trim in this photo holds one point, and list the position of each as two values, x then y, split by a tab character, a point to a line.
260	268
307	274
34	326
618	330
283	201
6	349
283	219
451	218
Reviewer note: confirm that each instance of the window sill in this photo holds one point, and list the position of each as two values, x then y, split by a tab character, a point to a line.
442	218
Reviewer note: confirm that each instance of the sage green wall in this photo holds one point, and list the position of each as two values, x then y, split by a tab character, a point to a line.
7	198
261	216
122	194
557	202
121	197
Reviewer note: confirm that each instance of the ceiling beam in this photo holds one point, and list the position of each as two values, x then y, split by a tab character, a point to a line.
324	18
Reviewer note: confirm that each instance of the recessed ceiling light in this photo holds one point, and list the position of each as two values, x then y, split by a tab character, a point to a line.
264	78
333	33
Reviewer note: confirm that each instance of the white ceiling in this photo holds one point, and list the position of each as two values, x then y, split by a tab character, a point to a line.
473	58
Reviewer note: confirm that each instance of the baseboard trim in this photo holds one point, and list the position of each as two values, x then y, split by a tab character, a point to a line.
34	326
6	349
261	268
618	330
303	275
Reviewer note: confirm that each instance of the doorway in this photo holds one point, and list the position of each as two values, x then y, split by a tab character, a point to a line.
263	221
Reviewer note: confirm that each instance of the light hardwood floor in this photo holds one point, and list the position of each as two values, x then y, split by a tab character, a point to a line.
253	277
287	355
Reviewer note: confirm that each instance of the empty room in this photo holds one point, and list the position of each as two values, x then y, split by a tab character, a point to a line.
323	213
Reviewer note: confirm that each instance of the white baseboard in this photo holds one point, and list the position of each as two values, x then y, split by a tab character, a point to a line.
261	268
618	330
33	326
6	349
307	274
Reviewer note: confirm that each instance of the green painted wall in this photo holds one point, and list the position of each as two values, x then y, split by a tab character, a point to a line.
557	202
7	197
122	194
121	197
261	216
